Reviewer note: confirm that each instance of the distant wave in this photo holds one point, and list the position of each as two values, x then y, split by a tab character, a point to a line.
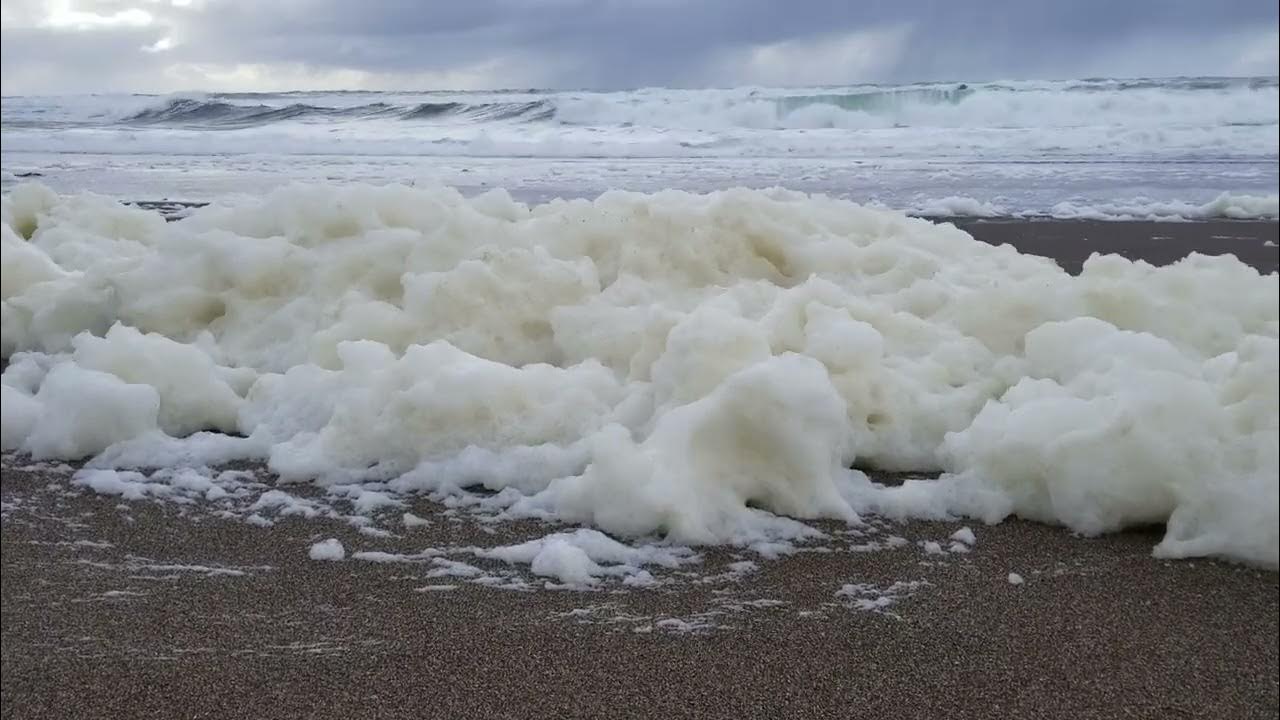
196	112
188	111
1127	104
534	111
878	100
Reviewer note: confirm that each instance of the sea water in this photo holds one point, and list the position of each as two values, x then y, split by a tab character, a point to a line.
1086	148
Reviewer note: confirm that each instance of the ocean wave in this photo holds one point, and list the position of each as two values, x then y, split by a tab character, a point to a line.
959	106
1198	102
482	112
191	111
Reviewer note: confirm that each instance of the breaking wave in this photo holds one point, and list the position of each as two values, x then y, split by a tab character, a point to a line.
191	111
483	112
1242	102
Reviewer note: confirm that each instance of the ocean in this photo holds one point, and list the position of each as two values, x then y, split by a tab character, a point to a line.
1099	148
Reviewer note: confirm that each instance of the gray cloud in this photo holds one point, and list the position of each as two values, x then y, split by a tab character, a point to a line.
243	44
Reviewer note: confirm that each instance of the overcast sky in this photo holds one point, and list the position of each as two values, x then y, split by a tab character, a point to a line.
59	46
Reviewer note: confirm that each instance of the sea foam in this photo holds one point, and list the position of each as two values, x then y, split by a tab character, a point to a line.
705	368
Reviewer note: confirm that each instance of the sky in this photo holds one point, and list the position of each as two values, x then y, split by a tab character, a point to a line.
72	46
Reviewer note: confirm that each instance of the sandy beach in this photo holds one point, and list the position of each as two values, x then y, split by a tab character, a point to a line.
142	610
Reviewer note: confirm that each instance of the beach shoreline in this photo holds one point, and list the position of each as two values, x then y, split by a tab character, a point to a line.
103	615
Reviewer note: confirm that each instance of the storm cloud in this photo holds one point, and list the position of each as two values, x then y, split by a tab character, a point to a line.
167	45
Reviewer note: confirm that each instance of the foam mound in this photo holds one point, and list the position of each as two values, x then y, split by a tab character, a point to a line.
705	368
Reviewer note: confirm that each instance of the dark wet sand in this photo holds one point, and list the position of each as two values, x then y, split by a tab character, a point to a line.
1100	629
1071	242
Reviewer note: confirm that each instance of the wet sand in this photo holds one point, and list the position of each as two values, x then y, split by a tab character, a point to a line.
98	623
1071	242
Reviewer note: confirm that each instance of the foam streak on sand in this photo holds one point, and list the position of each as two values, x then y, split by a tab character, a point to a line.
700	367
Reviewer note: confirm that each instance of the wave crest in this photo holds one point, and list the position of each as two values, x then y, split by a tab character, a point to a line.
217	112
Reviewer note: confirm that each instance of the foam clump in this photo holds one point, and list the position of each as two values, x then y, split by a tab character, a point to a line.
583	557
702	368
774	435
80	412
194	395
1116	428
330	549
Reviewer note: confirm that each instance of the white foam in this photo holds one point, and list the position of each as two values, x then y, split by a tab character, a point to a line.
21	411
696	368
1225	205
443	567
128	485
959	206
872	598
330	549
194	395
411	521
83	412
1230	206
581	558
